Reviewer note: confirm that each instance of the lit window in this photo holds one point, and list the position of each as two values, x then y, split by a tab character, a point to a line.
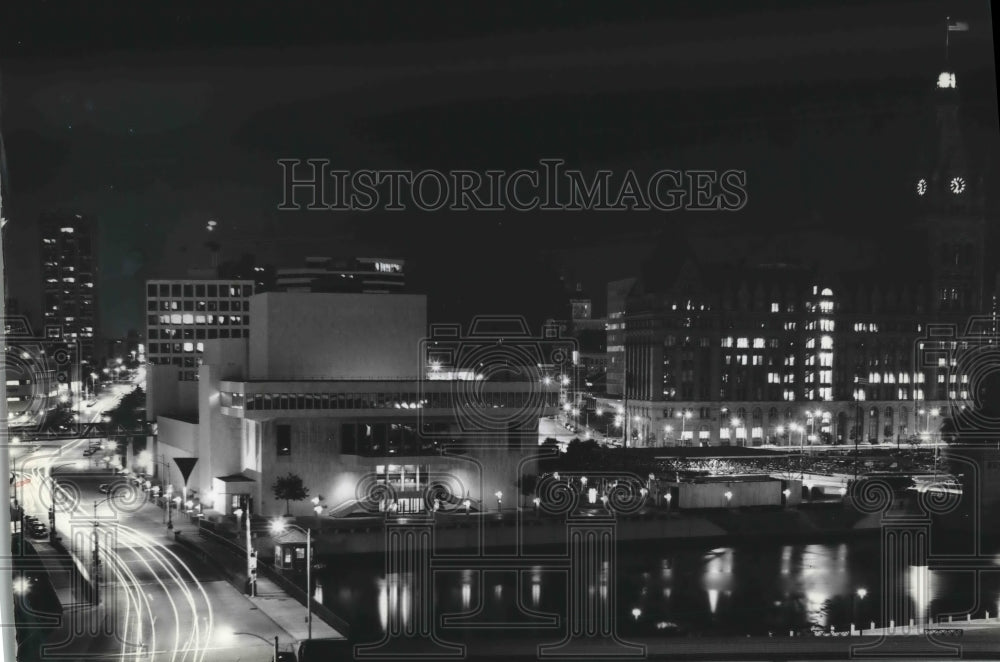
775	308
742	343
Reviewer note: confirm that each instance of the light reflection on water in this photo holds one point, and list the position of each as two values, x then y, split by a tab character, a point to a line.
736	590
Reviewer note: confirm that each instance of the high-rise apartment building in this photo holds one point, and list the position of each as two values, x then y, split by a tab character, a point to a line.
69	275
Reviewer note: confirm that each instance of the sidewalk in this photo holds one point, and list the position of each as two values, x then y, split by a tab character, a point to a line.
62	575
287	612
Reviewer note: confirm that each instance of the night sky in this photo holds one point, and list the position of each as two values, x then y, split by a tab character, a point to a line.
159	120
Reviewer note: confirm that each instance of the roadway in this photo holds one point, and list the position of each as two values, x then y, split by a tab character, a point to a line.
157	601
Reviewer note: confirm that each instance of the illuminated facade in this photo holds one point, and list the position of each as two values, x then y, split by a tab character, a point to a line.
332	387
779	354
182	314
69	273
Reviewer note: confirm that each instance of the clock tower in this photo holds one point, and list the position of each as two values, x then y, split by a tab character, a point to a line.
952	212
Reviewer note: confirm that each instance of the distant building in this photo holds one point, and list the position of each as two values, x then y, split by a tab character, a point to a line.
128	348
618	292
69	275
182	314
784	354
327	274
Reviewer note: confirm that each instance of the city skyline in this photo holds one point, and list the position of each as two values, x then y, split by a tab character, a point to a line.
831	144
493	331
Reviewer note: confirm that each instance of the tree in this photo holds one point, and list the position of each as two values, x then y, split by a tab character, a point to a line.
289	488
130	413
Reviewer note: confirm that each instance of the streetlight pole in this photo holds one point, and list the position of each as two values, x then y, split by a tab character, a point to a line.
251	554
250	634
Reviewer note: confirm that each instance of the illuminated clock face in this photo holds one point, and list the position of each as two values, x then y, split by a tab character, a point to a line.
922	187
957	185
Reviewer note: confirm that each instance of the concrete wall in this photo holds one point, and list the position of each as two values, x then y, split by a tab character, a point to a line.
297	335
219	435
713	494
175	439
167	396
316	457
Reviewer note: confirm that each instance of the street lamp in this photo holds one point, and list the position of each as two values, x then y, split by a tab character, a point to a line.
97	549
318	508
279	526
860	593
499	496
170	512
251	554
21	585
250	634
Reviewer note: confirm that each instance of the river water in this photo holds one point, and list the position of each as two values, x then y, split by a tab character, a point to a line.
744	589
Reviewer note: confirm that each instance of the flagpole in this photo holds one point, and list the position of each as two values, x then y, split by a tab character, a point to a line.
947	37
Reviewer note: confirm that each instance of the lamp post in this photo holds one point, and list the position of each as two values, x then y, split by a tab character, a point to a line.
176	501
251	555
250	634
317	508
860	593
684	415
278	526
97	551
499	496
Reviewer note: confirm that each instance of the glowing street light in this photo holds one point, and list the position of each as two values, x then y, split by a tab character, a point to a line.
21	585
684	416
499	496
862	592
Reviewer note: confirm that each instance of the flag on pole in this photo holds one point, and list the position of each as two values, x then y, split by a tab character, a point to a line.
958	26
